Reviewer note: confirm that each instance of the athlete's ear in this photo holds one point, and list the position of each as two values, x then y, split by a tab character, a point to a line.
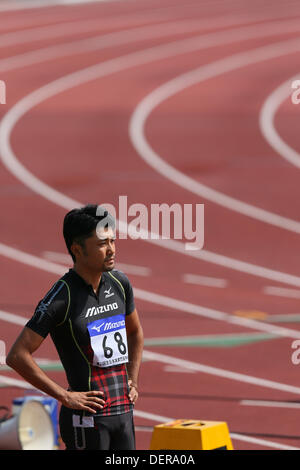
76	250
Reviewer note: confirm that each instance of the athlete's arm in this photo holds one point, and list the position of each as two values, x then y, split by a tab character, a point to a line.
135	340
20	359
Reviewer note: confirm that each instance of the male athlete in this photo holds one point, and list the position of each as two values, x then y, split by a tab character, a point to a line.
91	317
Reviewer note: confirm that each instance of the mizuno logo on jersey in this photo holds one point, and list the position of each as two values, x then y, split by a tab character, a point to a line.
109	326
98	328
101	309
108	293
113	325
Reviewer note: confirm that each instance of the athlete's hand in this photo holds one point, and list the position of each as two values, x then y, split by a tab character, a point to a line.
88	401
133	392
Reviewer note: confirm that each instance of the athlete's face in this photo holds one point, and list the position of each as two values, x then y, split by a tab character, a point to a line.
98	251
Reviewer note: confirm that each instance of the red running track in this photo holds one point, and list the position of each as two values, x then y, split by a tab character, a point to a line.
77	141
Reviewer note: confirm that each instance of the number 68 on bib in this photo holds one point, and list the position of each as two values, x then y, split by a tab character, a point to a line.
109	341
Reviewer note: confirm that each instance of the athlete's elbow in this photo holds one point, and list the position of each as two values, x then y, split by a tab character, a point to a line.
10	359
13	358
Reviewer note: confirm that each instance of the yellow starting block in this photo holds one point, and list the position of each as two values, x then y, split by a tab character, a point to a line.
185	434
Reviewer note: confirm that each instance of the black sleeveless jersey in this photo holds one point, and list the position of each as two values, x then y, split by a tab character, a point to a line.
89	333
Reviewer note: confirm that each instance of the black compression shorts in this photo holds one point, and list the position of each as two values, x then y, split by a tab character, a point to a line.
109	432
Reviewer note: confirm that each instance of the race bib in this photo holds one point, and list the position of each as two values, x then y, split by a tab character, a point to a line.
109	341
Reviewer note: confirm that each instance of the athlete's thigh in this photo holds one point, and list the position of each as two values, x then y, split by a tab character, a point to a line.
123	437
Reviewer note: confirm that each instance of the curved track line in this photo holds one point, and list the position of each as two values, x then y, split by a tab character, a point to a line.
125	16
67	28
141	33
174	86
94	72
104	41
53	31
267	126
62	29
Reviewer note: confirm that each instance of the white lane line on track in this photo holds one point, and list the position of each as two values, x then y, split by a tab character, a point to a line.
270	404
10	382
178	370
50	364
262	442
218	372
151	416
128	36
169	302
180	83
128	268
88	26
48	266
267	126
65	29
204	280
172	13
215	314
29	4
62	258
101	42
282	292
34	4
99	70
13	318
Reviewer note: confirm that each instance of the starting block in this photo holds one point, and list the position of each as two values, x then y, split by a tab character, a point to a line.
186	434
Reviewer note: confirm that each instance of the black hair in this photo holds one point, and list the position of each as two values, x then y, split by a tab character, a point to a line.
80	224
